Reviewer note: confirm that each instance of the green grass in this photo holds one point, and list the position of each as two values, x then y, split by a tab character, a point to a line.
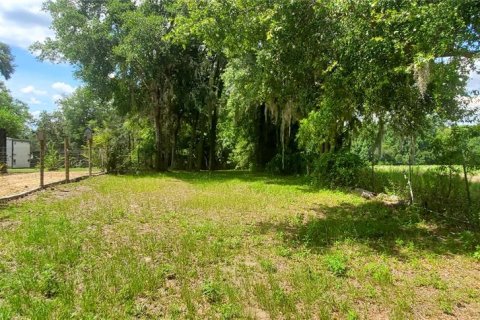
227	246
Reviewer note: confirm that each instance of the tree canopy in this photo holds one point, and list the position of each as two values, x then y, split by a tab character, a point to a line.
14	114
251	83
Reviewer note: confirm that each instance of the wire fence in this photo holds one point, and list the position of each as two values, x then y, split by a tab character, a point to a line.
27	165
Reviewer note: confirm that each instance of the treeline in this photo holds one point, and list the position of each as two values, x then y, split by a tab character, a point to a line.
210	84
437	144
14	115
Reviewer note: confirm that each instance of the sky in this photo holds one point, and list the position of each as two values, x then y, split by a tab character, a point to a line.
40	84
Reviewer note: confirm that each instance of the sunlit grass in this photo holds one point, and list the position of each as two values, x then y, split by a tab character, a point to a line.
227	245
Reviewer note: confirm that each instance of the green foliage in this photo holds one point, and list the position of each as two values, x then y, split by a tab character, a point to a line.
226	86
440	189
212	292
337	264
6	61
340	169
476	254
290	163
82	110
14	115
52	160
53	124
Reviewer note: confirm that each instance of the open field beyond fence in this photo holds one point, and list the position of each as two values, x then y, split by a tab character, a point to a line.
229	245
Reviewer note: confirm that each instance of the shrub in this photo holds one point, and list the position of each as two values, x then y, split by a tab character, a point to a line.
52	158
340	169
476	254
440	190
292	163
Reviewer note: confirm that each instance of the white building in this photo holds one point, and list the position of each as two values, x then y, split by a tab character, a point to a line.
18	153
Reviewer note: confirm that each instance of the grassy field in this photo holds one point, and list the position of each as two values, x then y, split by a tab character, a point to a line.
225	246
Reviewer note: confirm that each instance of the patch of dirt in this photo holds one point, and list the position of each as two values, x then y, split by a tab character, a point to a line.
6	224
63	193
11	184
258	313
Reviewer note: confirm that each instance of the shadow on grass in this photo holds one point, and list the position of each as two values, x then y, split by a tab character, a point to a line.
205	177
387	230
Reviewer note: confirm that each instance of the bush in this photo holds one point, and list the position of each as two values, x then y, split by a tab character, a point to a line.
340	169
440	190
292	163
52	158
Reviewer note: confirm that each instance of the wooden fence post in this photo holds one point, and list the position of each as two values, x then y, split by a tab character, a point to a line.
89	137
67	160
90	157
41	139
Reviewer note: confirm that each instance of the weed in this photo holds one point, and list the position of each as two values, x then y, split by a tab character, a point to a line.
212	291
446	304
268	266
337	264
229	311
476	254
380	273
352	315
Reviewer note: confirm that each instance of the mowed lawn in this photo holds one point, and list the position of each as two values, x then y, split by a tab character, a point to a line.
224	246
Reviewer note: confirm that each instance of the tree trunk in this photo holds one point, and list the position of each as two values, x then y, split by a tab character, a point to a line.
173	163
213	138
202	121
467	184
192	144
159	159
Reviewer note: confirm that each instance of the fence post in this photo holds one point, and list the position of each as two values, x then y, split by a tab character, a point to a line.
90	157
41	139
89	136
67	160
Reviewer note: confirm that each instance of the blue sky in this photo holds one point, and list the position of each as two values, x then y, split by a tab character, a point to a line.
40	84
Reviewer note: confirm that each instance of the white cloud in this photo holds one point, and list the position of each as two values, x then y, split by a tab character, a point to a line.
22	22
34	101
35	114
63	87
31	89
57	97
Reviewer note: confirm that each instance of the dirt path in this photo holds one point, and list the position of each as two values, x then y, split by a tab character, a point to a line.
11	184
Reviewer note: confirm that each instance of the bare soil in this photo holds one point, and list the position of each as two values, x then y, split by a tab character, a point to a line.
11	184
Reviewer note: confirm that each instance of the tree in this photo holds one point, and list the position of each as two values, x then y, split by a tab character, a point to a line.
6	61
14	115
80	110
313	70
136	65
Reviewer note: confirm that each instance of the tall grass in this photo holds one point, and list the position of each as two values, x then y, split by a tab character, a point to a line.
440	190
